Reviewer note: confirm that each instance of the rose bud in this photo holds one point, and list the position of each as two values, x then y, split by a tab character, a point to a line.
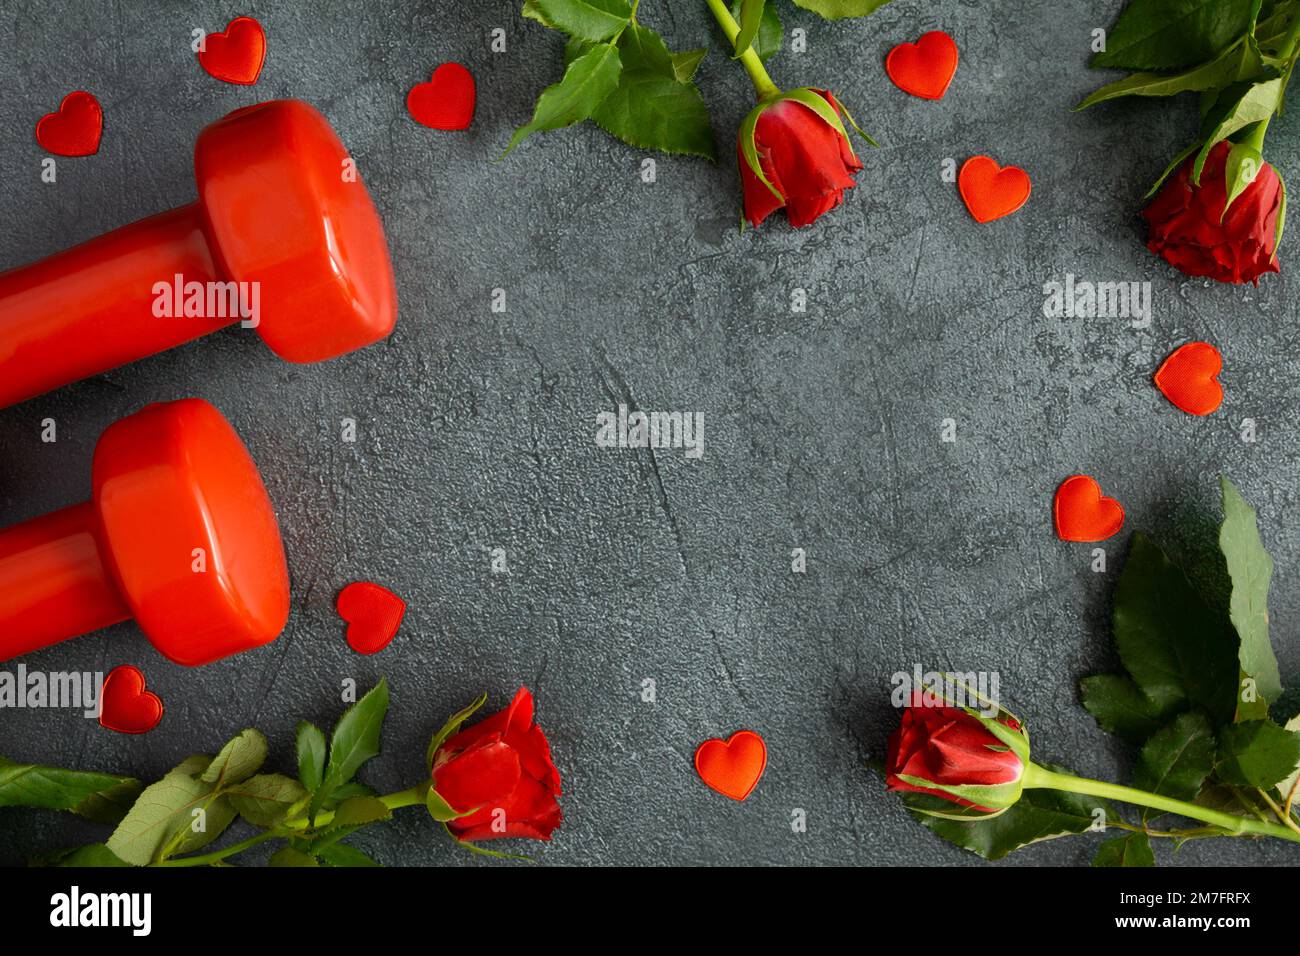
958	754
498	778
795	152
1190	230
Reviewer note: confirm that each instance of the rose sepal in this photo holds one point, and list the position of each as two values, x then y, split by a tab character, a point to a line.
987	797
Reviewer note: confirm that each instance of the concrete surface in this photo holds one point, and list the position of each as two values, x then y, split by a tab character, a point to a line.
476	429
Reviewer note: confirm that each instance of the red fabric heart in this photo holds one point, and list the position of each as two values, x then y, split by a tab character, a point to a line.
235	55
75	129
991	191
1189	378
924	68
373	614
446	101
124	704
1083	513
732	767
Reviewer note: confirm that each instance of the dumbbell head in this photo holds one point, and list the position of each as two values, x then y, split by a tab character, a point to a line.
191	538
282	208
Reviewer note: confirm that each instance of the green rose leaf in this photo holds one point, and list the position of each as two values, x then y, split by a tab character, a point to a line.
1178	758
159	813
1038	815
358	811
237	760
199	830
92	855
588	80
1241	61
1173	34
593	20
1289	785
686	63
1178	652
1131	850
311	755
840	9
1257	753
289	856
341	854
1257	103
767	42
1251	570
1120	707
354	741
102	797
264	799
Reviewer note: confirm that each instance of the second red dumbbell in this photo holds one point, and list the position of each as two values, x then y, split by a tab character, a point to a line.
279	205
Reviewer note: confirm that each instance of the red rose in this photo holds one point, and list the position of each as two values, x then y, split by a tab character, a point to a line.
1190	231
501	769
807	160
947	752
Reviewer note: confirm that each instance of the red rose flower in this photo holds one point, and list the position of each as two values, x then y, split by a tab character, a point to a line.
807	160
500	769
948	752
1188	227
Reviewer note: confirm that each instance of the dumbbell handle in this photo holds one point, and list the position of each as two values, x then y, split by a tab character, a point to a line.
90	309
53	583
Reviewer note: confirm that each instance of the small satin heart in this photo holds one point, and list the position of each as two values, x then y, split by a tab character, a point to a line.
235	55
924	68
124	704
446	101
373	614
732	767
1189	378
991	191
1083	513
75	129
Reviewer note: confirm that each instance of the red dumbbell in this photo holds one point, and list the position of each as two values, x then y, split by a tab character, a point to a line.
179	534
279	205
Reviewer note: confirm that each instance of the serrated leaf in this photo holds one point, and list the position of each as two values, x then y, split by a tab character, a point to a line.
593	20
237	760
750	18
1178	652
587	81
1257	753
1164	35
767	42
311	755
341	854
685	64
1288	786
288	856
354	741
1251	569
347	792
218	814
102	797
1177	758
532	12
1255	105
358	811
840	9
158	814
1242	61
1038	815
1120	707
264	799
1131	850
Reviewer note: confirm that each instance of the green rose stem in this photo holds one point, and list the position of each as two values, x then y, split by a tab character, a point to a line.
1039	777
412	797
764	88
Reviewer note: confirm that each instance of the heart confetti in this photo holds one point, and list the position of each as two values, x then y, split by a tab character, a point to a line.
1083	513
924	68
373	613
732	767
235	55
446	101
124	704
1189	378
991	191
75	129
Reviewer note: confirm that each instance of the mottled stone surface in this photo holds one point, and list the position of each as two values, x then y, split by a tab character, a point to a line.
821	429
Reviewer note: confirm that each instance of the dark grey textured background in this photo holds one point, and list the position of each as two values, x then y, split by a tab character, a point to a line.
822	430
